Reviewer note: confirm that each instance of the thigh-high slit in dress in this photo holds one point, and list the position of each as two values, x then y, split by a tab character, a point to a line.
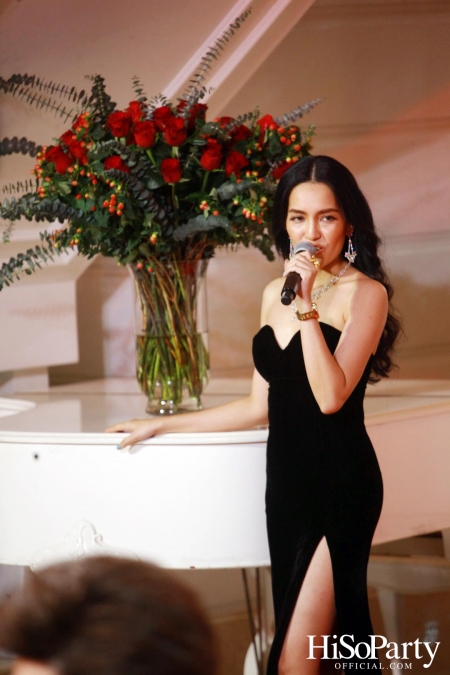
323	480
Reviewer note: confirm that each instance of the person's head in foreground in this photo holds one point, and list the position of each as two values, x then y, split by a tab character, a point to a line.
106	616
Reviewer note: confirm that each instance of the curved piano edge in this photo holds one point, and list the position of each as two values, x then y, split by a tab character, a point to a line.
14	406
209	438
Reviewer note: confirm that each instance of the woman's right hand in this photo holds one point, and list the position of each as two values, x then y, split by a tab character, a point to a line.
139	430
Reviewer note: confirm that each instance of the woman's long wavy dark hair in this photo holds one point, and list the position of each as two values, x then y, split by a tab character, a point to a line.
323	169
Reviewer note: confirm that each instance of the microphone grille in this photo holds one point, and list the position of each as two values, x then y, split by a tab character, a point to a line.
305	246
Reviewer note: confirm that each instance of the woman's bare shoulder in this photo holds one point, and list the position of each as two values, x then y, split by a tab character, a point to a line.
273	288
368	294
365	284
271	295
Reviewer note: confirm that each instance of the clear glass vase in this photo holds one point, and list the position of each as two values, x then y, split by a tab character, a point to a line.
171	333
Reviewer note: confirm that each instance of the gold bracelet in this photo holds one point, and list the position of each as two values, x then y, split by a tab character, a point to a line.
312	314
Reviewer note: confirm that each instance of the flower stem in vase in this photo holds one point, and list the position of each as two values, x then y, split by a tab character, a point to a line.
171	341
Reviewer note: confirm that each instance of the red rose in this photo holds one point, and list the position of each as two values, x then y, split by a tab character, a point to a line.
197	110
175	132
68	137
280	170
225	121
234	162
116	162
212	157
119	124
75	148
240	133
78	151
60	159
263	123
161	116
135	110
171	170
144	134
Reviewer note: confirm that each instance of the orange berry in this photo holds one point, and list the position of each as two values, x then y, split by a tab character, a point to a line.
215	213
139	266
120	205
70	169
94	181
297	147
282	139
74	182
93	208
119	212
78	196
106	203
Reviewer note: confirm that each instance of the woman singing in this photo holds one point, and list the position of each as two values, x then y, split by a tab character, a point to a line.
313	360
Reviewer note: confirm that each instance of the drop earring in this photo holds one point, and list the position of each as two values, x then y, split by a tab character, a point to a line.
350	254
291	250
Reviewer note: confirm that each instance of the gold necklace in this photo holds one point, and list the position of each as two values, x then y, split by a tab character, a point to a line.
315	295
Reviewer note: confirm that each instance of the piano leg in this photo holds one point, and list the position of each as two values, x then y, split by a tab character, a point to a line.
261	620
388	607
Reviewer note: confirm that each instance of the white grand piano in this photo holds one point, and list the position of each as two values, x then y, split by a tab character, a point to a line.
196	501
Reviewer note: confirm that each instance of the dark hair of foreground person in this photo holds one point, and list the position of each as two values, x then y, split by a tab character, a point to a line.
108	616
327	170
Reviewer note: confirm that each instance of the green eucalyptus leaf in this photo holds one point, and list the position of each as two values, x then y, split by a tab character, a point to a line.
201	224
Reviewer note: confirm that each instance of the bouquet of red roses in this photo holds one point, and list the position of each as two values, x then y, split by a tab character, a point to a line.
157	179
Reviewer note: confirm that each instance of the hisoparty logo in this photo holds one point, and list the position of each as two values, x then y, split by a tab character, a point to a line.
321	647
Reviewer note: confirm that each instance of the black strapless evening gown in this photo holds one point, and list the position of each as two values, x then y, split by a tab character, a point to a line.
323	479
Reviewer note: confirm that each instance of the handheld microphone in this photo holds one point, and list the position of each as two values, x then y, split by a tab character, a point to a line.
293	279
